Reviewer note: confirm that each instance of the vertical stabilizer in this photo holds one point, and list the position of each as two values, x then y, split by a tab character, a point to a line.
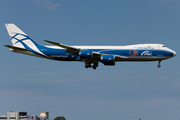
18	37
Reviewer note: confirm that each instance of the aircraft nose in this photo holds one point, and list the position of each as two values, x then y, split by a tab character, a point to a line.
174	53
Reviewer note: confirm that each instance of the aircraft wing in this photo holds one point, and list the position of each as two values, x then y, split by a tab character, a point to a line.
76	51
72	50
16	48
69	49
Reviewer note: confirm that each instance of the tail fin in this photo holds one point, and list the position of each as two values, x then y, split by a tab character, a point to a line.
18	37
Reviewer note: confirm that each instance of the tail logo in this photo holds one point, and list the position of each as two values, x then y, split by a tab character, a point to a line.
14	37
22	39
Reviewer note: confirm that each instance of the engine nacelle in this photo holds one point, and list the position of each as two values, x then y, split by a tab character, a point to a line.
108	59
85	54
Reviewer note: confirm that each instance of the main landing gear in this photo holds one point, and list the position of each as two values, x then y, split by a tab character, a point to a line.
88	65
159	64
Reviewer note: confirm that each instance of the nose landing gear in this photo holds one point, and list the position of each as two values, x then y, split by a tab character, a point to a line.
159	64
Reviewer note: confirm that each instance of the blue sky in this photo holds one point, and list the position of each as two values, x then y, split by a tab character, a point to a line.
129	90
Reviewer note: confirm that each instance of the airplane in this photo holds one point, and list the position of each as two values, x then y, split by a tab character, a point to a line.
90	55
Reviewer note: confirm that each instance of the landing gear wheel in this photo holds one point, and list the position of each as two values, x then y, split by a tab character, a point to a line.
86	66
89	65
94	67
96	64
159	66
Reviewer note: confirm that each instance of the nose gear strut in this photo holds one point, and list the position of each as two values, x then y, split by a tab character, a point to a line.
159	64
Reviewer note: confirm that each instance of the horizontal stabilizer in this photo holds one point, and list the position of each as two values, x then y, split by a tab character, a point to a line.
17	48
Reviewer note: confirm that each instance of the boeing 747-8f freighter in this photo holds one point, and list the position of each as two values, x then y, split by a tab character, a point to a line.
90	55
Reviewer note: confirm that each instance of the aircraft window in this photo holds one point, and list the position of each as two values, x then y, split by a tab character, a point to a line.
164	46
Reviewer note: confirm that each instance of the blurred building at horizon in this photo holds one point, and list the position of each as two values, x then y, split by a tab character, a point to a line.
18	116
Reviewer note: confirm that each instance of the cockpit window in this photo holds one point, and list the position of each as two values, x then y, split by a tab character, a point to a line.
163	46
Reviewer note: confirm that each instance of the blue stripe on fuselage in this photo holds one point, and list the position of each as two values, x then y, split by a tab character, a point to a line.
58	54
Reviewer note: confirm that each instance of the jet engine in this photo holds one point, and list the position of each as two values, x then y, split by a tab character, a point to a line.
108	59
85	54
